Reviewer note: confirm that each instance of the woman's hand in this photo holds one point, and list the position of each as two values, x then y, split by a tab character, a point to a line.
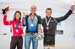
5	10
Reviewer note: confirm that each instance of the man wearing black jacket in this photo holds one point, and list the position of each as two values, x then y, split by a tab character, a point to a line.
49	26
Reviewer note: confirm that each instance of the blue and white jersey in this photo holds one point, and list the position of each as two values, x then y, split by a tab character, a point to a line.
32	26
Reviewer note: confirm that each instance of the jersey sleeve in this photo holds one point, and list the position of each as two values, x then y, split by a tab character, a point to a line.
39	20
64	17
5	22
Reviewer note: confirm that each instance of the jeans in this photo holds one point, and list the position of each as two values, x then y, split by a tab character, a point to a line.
31	38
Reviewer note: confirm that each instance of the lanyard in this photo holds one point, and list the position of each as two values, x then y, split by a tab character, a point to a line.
47	23
17	25
32	18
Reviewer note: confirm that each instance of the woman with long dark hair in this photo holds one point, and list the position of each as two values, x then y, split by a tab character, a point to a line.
17	30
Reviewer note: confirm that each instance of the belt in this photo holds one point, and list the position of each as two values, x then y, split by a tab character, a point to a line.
31	32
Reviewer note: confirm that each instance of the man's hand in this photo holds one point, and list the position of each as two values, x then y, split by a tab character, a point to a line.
39	28
23	14
72	7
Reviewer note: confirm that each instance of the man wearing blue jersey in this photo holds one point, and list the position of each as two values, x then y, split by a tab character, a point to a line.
33	23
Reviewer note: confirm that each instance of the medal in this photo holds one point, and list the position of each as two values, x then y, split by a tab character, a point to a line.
16	30
32	20
47	28
47	23
31	24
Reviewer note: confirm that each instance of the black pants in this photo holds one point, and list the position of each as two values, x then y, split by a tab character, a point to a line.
16	41
49	40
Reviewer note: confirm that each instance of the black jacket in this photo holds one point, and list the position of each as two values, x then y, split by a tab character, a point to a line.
53	23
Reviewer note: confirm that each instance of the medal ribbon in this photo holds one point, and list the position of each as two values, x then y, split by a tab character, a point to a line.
17	25
47	23
32	18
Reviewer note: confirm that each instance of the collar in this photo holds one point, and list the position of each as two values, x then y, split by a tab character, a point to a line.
31	14
17	21
48	17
